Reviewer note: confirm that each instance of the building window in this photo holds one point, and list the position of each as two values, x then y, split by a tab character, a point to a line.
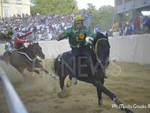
118	2
5	13
18	1
19	12
128	0
5	1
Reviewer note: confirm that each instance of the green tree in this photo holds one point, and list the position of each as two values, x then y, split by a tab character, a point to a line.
47	7
103	17
91	7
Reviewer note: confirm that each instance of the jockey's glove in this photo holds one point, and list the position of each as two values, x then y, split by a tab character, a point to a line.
89	40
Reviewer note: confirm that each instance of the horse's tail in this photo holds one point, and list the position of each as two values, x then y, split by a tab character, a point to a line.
102	49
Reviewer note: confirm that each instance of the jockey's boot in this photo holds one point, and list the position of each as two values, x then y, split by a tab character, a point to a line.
74	80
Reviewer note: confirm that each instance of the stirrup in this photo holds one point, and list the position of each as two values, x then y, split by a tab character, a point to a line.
74	80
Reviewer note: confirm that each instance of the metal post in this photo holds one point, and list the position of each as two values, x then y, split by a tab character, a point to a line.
1	9
14	102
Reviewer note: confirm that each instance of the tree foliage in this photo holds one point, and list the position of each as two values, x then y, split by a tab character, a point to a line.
103	16
47	7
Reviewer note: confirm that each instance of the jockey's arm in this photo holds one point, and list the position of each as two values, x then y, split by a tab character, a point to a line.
90	34
64	35
28	33
16	40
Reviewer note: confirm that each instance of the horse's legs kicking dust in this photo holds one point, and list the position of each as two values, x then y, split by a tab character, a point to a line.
61	80
99	92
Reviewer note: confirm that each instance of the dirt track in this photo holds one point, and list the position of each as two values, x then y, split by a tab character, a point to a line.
130	82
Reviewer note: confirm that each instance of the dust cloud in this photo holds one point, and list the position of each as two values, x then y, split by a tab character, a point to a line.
130	82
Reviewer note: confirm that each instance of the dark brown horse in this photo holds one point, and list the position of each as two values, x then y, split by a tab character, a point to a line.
25	58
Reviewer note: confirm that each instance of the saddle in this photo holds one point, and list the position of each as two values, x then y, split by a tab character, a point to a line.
20	51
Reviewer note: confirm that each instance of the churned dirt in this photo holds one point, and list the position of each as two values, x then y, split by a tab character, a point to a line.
130	82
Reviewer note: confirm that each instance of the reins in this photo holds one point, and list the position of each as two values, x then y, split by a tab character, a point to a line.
95	47
27	56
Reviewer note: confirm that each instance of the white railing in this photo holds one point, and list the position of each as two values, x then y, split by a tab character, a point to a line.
14	102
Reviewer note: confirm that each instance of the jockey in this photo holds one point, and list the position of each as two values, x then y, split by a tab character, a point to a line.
19	40
8	44
79	36
10	32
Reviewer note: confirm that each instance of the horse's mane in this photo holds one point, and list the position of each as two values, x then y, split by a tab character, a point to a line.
100	36
102	47
31	45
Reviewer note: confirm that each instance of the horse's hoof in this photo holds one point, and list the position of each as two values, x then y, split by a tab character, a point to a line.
36	71
100	102
61	94
67	85
129	111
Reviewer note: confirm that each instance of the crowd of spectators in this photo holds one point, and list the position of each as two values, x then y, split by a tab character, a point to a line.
138	26
47	27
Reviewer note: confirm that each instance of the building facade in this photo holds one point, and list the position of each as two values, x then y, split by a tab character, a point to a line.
9	8
130	8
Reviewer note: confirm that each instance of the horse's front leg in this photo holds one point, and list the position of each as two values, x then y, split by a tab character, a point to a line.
36	71
99	92
61	82
33	70
21	70
37	64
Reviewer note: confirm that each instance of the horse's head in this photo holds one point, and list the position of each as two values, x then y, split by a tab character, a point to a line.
102	48
37	50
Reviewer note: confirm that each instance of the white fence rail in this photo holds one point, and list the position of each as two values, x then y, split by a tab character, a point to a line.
14	102
132	48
